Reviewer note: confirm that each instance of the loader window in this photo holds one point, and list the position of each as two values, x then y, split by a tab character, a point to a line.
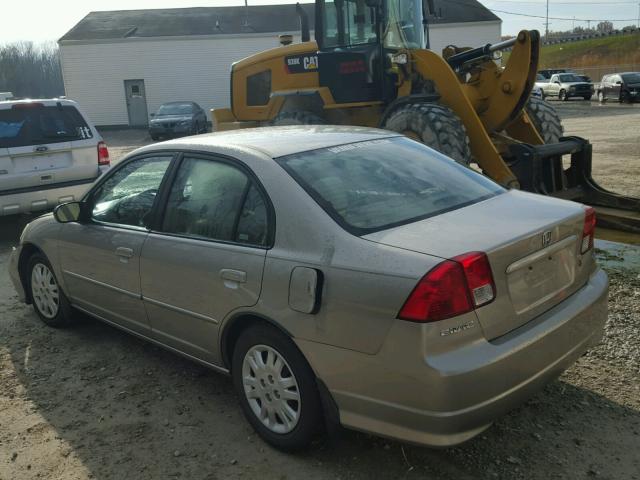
259	88
404	27
347	23
379	184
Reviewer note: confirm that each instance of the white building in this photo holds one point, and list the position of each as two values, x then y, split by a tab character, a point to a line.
121	65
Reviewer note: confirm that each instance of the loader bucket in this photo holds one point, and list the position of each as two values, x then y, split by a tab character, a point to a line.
539	169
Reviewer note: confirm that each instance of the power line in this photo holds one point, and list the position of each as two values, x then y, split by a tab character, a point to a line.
565	3
565	18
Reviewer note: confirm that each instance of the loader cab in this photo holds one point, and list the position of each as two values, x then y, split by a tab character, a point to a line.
354	39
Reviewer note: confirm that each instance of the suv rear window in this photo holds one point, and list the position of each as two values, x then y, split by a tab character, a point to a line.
22	126
379	184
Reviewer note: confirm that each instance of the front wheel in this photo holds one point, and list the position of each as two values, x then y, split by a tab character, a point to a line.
49	301
601	98
277	388
434	125
545	119
562	96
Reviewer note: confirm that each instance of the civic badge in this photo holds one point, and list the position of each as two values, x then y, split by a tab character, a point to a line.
546	238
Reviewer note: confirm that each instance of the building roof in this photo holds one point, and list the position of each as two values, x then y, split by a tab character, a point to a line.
182	22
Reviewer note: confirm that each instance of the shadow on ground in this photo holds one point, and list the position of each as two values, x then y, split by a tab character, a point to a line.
131	410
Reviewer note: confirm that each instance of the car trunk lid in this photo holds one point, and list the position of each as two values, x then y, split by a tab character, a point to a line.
533	246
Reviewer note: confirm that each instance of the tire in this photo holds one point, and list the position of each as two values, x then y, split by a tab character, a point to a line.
434	125
601	97
49	301
562	96
297	118
545	119
303	416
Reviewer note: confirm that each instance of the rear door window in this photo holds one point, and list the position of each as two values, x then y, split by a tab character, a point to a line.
216	201
375	185
33	124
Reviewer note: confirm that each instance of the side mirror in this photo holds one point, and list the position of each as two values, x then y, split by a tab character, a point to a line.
68	212
557	82
618	82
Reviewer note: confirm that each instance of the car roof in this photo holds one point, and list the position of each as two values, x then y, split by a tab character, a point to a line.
48	102
277	141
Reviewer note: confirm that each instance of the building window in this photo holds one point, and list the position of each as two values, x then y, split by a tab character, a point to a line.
259	88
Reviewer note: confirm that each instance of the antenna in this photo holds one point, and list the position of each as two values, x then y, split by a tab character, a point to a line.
246	13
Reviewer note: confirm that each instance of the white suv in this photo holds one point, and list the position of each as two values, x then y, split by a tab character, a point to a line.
49	154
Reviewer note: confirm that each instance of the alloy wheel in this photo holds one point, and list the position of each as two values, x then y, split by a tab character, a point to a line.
271	389
44	290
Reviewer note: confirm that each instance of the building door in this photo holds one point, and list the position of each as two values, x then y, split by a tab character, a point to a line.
136	103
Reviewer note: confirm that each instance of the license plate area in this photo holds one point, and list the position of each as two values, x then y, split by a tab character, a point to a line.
541	276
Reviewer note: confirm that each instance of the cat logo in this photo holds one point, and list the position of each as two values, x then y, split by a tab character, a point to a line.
301	64
311	63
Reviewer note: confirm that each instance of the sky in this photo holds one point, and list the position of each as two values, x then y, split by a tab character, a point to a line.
47	20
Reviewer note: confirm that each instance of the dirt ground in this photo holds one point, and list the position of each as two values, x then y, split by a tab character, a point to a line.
94	403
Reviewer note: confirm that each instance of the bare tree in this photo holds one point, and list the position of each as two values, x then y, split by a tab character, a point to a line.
605	27
30	70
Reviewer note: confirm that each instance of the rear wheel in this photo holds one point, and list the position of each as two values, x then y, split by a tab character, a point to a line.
49	301
434	125
277	388
297	118
545	119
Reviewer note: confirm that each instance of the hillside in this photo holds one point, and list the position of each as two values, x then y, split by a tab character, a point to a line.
594	52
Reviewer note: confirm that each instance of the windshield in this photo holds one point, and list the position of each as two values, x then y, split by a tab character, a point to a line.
35	124
569	77
375	185
175	109
631	77
404	27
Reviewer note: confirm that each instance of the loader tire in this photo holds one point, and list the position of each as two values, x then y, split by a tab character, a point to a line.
545	119
297	118
434	125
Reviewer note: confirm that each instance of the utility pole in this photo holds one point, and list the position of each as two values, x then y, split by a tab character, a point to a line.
546	25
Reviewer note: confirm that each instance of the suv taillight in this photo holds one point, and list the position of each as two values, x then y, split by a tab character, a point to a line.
103	154
589	229
451	288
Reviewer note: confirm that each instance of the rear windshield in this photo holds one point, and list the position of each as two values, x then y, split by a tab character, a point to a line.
375	185
37	125
631	77
175	109
570	78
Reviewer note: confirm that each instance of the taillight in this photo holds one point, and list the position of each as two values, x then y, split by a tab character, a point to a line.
103	154
589	229
451	288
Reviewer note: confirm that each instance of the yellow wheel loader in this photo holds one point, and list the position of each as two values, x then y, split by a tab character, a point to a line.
370	65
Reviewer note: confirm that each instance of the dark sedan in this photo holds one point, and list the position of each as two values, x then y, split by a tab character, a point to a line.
622	87
175	119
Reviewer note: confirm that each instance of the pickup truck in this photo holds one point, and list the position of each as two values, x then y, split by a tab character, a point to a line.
566	86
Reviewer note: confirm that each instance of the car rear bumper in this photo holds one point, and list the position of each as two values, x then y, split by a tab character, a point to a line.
412	391
43	197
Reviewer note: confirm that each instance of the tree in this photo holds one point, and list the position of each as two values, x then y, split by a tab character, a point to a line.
30	70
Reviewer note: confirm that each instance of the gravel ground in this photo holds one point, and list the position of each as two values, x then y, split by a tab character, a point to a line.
92	402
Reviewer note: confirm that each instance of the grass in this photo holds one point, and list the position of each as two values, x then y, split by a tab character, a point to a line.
592	52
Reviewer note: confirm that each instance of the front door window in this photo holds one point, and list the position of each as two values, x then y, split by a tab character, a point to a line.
127	197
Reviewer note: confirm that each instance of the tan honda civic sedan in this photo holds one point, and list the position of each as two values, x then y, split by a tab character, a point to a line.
340	275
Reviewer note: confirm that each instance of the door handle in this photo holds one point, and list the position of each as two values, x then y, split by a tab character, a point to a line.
237	276
124	252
